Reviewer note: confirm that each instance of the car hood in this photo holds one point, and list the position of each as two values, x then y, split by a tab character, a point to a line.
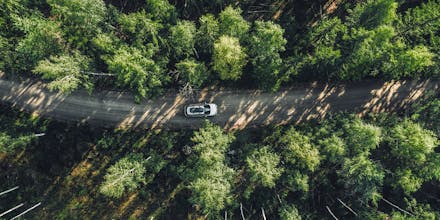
213	108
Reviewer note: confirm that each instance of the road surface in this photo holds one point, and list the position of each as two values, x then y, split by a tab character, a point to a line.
237	108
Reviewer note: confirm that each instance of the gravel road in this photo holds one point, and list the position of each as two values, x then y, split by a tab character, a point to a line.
237	108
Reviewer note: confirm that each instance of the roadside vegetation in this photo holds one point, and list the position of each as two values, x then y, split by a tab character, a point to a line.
381	166
148	46
289	172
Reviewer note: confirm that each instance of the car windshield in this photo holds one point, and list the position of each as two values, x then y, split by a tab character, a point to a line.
208	109
196	110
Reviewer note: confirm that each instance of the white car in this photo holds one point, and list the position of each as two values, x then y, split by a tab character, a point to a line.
200	110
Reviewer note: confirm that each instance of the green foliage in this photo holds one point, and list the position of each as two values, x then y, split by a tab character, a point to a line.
413	149
42	39
106	44
9	11
17	131
419	210
192	72
81	19
140	29
5	51
295	180
362	177
9	144
361	137
368	43
373	13
65	72
229	58
161	10
210	180
136	71
211	144
408	181
429	113
207	33
153	165
410	143
298	150
212	190
233	24
266	43
182	39
411	62
124	176
421	24
289	212
263	167
333	148
372	53
328	32
327	37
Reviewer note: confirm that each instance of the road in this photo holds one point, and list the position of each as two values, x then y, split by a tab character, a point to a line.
237	108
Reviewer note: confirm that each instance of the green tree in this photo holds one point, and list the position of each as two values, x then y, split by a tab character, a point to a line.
212	190
5	52
288	212
81	19
410	143
408	181
9	144
106	44
429	113
229	58
124	176
210	144
263	167
233	24
295	180
419	25
136	71
298	150
361	137
207	33
333	148
373	53
420	211
209	179
192	72
411	62
42	39
413	150
66	72
161	10
362	178
327	38
265	44
140	29
182	39
373	13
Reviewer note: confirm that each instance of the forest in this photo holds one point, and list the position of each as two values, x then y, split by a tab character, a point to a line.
377	167
149	46
380	166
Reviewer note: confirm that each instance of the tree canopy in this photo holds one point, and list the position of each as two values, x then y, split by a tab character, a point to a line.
124	176
136	71
371	39
266	44
66	71
229	58
209	178
233	24
263	167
